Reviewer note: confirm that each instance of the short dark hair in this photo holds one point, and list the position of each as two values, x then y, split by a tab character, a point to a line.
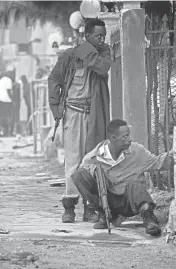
114	125
91	23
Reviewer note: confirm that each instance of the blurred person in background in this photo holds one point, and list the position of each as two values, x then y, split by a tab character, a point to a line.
26	96
7	115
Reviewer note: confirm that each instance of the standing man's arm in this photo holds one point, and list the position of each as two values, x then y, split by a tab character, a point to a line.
98	61
56	80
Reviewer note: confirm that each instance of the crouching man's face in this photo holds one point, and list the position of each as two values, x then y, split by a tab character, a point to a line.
121	139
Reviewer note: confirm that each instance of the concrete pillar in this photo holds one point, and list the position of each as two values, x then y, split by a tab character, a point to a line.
132	25
126	37
112	21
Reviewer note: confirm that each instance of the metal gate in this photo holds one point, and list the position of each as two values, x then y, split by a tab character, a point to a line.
41	115
161	98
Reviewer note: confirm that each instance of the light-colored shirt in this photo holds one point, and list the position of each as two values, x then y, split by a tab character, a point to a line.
5	85
104	149
131	164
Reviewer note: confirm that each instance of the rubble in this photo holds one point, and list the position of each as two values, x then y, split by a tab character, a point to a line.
170	229
3	231
22	142
163	201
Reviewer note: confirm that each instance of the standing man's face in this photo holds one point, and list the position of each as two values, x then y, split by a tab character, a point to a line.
97	37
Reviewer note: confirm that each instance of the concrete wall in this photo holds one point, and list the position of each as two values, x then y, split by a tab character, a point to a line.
133	73
127	75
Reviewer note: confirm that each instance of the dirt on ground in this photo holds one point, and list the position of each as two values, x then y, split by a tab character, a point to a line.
51	254
28	203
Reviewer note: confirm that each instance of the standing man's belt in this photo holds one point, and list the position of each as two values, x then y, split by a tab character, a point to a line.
80	108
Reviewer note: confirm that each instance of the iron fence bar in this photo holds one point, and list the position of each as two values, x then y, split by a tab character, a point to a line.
33	118
149	91
163	47
160	31
174	150
167	121
160	62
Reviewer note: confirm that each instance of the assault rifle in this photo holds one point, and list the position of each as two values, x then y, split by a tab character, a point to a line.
102	190
68	80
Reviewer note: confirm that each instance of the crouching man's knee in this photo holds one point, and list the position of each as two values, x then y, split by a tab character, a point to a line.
83	179
77	176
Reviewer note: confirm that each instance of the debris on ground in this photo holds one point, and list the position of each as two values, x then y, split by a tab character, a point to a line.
22	146
3	231
22	142
170	229
162	198
163	201
57	182
23	258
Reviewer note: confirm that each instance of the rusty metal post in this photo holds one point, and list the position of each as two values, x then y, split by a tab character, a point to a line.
149	91
33	117
167	119
40	113
174	150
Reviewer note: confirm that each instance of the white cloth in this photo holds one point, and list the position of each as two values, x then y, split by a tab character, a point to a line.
104	149
5	84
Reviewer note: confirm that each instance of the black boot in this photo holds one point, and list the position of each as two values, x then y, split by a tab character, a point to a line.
117	220
69	205
101	224
89	213
150	220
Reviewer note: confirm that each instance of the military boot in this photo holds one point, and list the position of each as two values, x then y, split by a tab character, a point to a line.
89	213
69	205
101	223
116	222
116	219
150	220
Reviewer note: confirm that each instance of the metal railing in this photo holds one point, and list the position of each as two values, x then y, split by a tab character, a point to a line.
161	93
41	115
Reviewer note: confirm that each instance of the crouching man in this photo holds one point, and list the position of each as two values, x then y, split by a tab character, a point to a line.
124	163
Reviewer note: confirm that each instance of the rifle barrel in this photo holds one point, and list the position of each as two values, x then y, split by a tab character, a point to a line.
102	189
55	129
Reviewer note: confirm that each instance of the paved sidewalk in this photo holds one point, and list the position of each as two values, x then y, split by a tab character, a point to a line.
31	208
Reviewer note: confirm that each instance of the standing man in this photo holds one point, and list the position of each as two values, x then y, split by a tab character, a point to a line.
26	96
87	106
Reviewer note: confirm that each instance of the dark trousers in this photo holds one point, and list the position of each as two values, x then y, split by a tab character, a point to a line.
126	205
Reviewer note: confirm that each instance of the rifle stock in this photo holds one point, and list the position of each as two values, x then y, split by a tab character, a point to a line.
102	190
